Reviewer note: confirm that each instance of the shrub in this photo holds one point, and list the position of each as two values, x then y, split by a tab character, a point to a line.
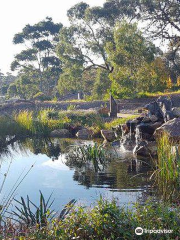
107	221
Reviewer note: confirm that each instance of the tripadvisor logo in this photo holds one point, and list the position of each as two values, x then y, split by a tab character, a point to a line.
138	231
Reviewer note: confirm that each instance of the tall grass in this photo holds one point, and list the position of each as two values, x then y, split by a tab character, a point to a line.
167	173
44	121
118	121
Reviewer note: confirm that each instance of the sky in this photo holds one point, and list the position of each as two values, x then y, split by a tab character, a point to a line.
15	14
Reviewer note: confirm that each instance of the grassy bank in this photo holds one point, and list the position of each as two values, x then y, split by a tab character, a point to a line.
43	122
105	221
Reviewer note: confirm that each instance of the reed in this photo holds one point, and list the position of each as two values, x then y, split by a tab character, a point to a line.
31	215
95	154
167	172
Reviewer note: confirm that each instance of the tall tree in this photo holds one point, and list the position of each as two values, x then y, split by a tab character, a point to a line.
39	56
83	43
132	57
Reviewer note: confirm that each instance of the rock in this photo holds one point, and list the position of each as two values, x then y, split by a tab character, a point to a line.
145	128
117	130
172	128
153	118
84	134
154	109
165	102
73	129
176	112
165	105
147	119
60	133
146	149
156	125
162	108
144	131
108	135
131	124
125	129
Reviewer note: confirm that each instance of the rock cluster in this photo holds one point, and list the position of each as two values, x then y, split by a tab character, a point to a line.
139	134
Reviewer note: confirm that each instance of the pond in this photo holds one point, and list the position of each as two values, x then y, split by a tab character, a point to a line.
124	178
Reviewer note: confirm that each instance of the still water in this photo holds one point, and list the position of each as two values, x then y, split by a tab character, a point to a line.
124	178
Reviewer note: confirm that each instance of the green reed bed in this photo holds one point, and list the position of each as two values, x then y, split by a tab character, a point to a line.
44	121
167	173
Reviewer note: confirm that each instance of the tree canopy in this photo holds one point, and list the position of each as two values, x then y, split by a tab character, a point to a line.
39	58
103	49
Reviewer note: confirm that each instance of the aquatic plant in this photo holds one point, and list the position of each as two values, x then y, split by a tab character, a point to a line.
167	167
96	154
30	214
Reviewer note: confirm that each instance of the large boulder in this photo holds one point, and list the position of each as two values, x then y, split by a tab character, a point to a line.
161	109
176	112
156	125
172	128
146	149
60	133
117	130
153	118
154	109
84	134
108	135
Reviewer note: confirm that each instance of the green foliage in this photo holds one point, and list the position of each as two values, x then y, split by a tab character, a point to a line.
31	215
70	79
38	63
12	90
107	221
80	155
101	85
71	107
40	216
135	66
167	167
41	123
118	121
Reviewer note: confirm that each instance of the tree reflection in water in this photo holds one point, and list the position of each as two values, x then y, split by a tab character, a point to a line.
114	173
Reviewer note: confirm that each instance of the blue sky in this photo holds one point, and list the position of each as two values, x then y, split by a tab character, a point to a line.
15	14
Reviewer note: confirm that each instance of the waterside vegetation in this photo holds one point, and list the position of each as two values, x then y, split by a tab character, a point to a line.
103	221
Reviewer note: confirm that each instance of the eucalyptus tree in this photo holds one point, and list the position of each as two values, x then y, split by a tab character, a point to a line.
133	58
82	45
161	18
38	57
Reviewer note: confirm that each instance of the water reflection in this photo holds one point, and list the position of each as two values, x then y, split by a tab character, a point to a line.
123	177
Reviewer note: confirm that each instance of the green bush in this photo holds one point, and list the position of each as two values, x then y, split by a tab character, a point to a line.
105	221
